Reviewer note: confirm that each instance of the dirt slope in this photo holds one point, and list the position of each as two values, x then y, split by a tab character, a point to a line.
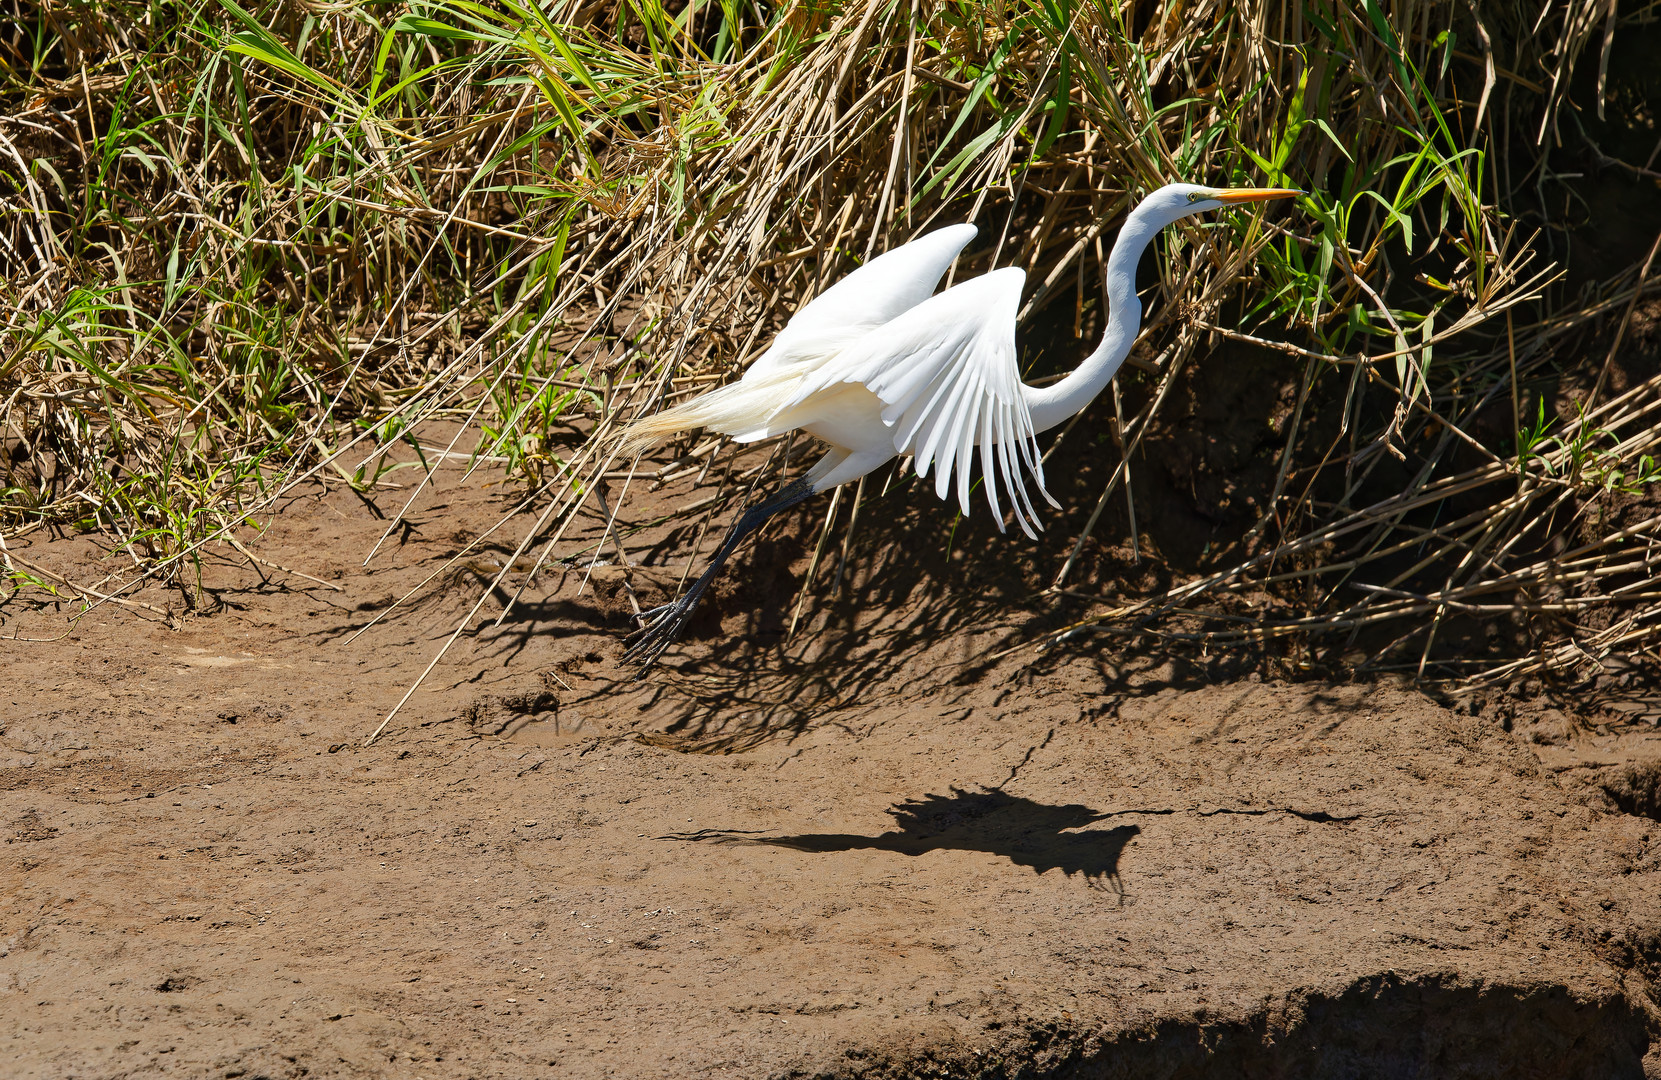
966	868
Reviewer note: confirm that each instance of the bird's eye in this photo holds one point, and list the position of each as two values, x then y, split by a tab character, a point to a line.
1196	196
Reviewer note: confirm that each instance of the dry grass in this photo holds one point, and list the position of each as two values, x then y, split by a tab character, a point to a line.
247	246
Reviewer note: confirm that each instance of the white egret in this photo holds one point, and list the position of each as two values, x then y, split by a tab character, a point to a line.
877	367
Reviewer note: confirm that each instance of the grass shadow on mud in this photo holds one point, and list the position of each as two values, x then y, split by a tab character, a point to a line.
919	608
930	604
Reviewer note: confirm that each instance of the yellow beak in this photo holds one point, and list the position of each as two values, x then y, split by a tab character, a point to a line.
1245	195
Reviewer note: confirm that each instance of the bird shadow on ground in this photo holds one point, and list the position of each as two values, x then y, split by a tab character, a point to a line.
1026	832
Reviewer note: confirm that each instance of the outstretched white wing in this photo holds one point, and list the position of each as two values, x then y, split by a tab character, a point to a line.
946	373
883	288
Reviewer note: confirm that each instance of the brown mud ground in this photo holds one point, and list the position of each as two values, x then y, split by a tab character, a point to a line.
877	849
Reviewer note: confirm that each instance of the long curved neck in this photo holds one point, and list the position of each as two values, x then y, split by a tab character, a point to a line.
1057	402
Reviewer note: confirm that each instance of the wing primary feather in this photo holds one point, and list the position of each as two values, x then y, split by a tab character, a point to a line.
925	433
967	425
945	436
918	424
907	385
1018	482
1010	457
1038	469
1035	461
951	390
1010	480
962	418
987	477
922	422
1025	439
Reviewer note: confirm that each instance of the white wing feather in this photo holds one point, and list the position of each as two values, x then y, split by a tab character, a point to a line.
945	371
882	289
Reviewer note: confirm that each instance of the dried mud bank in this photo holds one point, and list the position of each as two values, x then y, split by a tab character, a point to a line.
1009	873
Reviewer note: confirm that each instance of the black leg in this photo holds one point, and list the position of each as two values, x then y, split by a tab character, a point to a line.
662	625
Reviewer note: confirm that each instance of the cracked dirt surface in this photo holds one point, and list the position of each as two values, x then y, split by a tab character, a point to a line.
953	866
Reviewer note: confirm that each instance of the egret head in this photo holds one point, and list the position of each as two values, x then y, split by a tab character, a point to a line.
1173	202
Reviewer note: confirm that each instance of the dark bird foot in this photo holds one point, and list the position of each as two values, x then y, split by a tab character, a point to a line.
659	627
